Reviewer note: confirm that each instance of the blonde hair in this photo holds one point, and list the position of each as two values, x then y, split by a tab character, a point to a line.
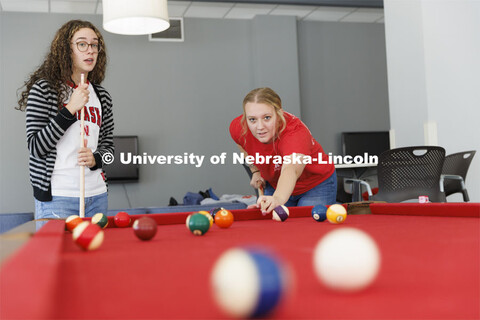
269	97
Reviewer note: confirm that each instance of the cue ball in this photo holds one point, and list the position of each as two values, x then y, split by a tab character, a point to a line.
145	228
319	213
346	259
248	283
122	219
280	213
336	213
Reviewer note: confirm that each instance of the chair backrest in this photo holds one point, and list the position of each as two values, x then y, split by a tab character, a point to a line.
407	173
456	164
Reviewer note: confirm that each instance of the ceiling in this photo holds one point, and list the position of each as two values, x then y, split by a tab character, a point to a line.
368	11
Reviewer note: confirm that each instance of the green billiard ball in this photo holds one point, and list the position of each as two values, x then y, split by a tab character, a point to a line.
198	224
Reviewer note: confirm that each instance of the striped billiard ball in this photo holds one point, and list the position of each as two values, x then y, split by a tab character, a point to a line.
280	213
100	219
88	236
72	221
248	283
208	215
214	211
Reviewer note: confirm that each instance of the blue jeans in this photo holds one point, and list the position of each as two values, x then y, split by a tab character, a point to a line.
325	193
62	207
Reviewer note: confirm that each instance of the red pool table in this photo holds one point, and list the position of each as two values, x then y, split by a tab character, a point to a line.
430	268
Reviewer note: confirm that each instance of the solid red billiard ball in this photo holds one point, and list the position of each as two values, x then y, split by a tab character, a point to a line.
122	219
145	228
224	218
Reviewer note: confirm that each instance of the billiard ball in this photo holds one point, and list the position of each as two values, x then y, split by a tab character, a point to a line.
280	213
248	283
198	224
100	219
122	219
72	221
214	211
336	213
319	213
208	215
224	218
346	259
145	228
88	236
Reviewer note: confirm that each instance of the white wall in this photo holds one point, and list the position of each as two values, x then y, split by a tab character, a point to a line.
433	61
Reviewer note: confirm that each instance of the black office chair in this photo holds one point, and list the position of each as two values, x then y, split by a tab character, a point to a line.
454	173
407	173
342	175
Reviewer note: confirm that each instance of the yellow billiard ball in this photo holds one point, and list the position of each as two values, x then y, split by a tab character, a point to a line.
336	213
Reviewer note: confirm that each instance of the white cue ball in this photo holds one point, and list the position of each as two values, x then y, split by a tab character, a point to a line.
346	259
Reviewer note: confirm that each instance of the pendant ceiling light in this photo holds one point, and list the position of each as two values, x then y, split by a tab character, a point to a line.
135	17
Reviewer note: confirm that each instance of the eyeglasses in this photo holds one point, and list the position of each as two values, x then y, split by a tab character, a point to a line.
82	46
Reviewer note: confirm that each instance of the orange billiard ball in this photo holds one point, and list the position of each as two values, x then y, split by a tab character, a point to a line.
224	218
72	222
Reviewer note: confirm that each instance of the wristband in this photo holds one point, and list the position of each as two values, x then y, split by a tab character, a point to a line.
255	171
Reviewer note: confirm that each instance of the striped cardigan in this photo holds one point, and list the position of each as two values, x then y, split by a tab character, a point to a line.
45	126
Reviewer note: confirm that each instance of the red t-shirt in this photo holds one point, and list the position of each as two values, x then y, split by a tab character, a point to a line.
296	138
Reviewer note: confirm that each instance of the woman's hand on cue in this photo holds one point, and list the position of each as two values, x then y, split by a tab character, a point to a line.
257	181
85	156
78	99
268	203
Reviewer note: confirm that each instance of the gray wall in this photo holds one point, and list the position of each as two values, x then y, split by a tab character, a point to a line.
181	97
343	79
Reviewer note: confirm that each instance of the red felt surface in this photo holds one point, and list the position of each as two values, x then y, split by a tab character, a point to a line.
28	282
430	270
464	209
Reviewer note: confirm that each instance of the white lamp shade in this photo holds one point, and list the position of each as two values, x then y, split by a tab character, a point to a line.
135	17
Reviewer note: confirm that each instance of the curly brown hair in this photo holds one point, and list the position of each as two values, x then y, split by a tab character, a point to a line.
57	66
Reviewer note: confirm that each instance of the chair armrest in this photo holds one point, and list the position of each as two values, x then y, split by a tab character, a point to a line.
359	183
444	177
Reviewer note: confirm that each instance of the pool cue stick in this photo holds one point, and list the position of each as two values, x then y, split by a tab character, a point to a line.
82	167
260	193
